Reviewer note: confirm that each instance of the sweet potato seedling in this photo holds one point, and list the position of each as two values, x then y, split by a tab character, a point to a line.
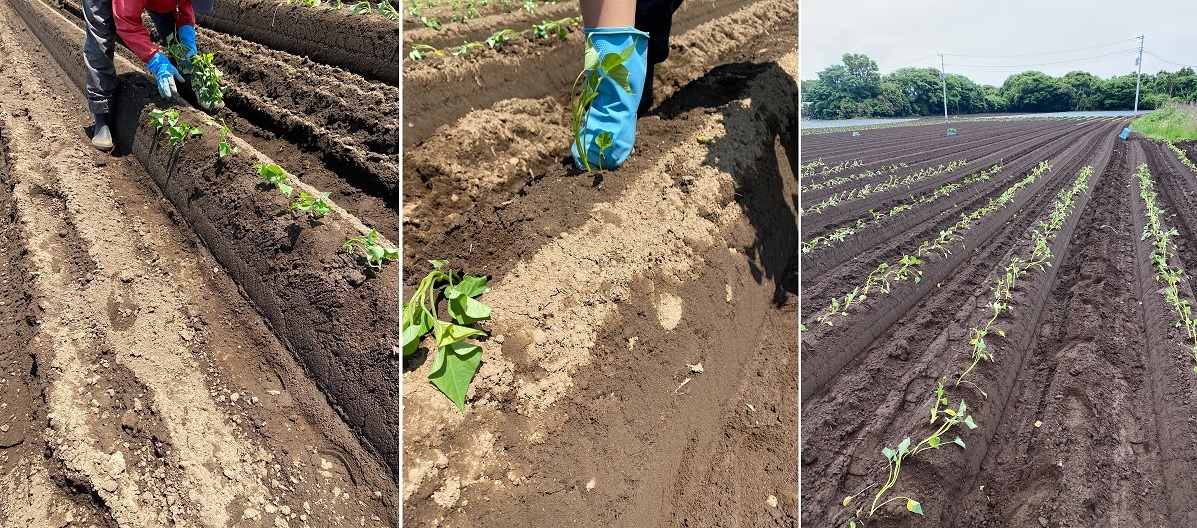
361	8
316	205
501	37
456	361
223	148
178	134
376	255
274	175
420	51
465	47
610	66
388	10
163	118
206	81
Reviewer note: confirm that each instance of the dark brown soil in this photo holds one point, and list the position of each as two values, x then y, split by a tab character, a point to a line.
291	342
1078	423
367	45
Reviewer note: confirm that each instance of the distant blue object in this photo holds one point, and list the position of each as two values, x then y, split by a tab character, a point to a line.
1125	133
951	131
855	134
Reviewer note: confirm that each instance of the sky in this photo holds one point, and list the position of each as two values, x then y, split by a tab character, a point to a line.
898	34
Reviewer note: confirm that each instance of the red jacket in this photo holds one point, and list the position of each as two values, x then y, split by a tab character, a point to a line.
130	29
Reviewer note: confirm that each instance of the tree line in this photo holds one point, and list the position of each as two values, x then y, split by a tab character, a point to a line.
856	88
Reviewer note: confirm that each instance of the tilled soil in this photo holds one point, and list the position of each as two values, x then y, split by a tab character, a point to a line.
605	397
145	389
1084	418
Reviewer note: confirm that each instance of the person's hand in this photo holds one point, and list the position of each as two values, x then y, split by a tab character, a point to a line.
166	74
609	131
187	38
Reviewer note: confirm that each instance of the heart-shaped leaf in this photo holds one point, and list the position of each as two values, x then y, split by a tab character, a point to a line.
467	311
458	363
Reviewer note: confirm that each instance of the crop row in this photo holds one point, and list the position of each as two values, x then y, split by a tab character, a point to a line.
819	168
875	217
925	122
840	180
316	205
361	7
906	268
1183	158
462	11
1160	238
950	415
860	192
544	30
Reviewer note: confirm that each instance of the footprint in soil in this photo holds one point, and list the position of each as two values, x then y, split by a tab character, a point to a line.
122	305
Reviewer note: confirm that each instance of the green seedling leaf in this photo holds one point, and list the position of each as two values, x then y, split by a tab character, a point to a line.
968	420
449	333
472	286
934	442
913	506
467	310
458	363
438	264
592	56
904	446
889	453
420	323
958	442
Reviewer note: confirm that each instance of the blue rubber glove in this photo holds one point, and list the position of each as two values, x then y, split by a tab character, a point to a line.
187	38
166	74
614	109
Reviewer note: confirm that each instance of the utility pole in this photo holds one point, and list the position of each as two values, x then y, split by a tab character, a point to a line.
943	76
1139	63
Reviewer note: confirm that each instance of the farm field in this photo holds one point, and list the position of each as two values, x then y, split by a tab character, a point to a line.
185	347
604	396
997	326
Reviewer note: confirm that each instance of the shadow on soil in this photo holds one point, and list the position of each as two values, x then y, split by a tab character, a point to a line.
761	185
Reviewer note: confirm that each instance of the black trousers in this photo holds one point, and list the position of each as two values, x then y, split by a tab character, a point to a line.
654	17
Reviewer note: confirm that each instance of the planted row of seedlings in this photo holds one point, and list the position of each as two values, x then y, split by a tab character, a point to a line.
462	11
876	217
1160	237
545	30
945	415
840	180
933	121
362	7
1180	154
881	279
915	146
819	168
210	94
843	197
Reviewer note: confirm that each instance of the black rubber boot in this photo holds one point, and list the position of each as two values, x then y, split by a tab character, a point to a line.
101	137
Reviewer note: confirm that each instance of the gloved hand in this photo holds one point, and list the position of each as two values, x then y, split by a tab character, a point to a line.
166	74
187	38
614	109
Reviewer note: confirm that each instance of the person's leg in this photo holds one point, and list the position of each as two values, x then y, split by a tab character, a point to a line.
654	17
98	49
608	13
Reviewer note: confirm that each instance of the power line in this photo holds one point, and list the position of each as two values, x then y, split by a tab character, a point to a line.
1080	60
1043	53
1161	59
